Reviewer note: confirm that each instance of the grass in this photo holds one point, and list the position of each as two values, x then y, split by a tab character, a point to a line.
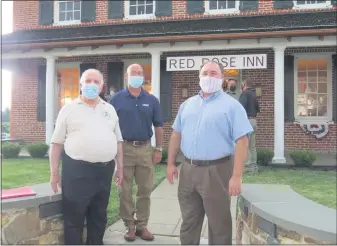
28	171
319	186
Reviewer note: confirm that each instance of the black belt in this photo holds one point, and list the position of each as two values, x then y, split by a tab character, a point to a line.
137	143
206	163
102	164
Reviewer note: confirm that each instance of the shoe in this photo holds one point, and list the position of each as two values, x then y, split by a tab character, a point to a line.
130	235
145	234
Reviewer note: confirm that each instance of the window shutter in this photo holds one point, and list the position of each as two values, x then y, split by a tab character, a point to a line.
164	8
41	93
195	6
334	2
249	5
283	4
334	87
289	84
46	12
88	11
116	75
165	91
115	9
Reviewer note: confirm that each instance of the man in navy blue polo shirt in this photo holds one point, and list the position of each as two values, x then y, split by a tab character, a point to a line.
137	110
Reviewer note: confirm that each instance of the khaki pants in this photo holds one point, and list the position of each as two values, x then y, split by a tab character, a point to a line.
252	145
205	190
137	165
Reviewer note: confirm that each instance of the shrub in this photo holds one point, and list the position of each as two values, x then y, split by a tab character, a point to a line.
37	150
164	155
303	158
264	156
10	150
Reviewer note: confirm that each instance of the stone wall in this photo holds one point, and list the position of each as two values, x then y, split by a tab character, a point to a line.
304	223
33	220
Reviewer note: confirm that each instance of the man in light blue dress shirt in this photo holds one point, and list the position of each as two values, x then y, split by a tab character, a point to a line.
212	130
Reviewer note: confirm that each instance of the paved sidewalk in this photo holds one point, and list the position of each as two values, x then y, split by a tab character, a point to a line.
165	219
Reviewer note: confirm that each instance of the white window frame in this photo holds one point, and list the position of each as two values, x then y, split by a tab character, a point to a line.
315	119
135	17
57	22
222	11
327	4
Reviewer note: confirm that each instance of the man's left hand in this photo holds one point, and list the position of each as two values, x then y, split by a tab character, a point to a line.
156	157
119	176
235	184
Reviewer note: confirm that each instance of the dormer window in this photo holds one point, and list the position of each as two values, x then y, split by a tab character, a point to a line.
139	9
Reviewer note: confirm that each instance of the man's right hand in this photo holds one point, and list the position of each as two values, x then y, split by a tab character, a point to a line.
55	181
171	173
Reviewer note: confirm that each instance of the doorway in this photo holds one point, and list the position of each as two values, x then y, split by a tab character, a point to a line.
236	75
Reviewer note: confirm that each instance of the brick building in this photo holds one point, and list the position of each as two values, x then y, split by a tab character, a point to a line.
288	48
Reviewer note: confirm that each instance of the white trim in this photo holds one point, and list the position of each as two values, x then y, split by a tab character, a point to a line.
222	11
138	17
327	4
56	16
315	119
263	43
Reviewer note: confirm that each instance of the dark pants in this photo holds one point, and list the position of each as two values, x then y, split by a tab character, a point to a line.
205	190
85	195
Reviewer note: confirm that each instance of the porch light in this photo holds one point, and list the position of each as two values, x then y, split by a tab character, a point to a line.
184	91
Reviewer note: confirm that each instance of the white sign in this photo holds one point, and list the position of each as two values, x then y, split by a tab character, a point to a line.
189	63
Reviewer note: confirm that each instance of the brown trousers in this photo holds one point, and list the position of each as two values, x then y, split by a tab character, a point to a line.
205	190
137	165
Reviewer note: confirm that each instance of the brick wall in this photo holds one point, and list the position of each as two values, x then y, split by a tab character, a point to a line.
24	103
25	13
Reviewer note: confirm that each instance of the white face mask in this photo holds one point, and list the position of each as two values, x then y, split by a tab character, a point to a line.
210	84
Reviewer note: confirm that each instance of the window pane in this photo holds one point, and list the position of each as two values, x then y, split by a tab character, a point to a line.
312	88
213	4
62	16
301	99
302	77
141	2
231	4
69	16
302	110
301	87
141	10
77	15
62	6
133	2
312	76
312	105
70	6
149	1
149	9
322	77
301	65
77	5
322	111
322	88
133	10
222	4
311	65
322	64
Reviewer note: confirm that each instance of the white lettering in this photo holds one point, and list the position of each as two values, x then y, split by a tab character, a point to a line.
191	63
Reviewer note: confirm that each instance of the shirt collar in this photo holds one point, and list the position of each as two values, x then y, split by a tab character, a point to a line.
142	92
79	101
211	97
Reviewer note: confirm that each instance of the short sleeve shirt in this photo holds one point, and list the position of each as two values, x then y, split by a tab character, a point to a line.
88	134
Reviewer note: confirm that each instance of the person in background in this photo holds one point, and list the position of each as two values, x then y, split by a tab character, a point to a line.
102	96
250	103
231	87
87	132
111	93
138	111
212	131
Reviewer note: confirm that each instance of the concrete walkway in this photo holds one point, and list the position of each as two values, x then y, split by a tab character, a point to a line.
165	219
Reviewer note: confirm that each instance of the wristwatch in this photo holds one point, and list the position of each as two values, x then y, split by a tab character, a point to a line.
160	149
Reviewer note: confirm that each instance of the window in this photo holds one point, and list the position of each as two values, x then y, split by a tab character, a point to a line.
67	12
307	4
147	78
313	89
140	9
221	6
68	85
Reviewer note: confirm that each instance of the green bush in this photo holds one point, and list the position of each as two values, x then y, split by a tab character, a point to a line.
37	150
264	156
10	150
303	158
164	155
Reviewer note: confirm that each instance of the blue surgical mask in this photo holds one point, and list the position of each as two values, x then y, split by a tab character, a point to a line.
90	91
135	81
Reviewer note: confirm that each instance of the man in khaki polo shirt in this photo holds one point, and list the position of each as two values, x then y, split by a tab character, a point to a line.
87	129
